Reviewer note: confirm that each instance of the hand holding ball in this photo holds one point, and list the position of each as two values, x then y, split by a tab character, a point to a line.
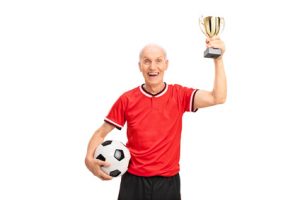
117	154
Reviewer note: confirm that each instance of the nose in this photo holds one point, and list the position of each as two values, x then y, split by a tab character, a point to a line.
152	66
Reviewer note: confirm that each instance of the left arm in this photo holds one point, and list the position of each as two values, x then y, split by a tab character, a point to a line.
219	93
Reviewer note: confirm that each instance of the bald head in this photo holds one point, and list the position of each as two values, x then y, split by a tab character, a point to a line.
153	63
153	48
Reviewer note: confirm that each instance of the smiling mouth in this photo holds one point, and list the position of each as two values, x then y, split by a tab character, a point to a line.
153	74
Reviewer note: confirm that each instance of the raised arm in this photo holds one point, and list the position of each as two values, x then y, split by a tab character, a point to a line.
219	93
94	164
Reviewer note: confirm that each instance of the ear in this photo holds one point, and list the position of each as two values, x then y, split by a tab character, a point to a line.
140	67
167	64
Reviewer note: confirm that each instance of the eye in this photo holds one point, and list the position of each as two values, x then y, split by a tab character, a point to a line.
158	60
147	61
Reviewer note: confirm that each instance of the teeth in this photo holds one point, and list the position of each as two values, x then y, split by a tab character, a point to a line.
153	73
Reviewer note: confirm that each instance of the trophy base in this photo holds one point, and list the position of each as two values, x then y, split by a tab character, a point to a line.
212	52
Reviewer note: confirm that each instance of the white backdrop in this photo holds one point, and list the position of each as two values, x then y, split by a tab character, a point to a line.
63	64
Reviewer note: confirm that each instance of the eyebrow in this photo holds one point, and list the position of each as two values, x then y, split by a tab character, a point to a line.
145	57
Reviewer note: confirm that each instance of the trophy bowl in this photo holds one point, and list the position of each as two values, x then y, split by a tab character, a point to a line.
211	26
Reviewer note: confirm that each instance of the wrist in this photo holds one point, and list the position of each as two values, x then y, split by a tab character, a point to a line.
89	157
218	60
88	160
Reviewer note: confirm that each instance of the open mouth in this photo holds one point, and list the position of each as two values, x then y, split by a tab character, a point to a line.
153	74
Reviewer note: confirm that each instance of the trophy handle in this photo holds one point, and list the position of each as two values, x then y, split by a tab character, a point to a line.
202	27
222	21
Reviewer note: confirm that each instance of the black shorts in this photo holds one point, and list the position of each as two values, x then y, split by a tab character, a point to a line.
149	188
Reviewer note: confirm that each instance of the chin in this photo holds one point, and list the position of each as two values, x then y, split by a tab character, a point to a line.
154	82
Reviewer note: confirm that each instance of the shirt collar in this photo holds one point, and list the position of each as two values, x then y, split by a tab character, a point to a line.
148	94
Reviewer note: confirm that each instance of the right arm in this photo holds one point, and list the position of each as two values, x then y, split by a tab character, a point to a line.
94	164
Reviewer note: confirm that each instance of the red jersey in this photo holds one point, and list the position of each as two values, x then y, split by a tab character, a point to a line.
154	124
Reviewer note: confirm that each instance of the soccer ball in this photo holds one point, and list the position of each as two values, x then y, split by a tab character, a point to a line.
117	154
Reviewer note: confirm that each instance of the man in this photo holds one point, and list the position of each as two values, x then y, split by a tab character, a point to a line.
153	112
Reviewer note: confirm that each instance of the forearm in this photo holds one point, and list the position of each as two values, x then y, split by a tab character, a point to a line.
94	164
93	143
98	138
220	83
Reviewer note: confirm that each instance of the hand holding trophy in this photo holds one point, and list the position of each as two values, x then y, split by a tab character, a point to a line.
211	26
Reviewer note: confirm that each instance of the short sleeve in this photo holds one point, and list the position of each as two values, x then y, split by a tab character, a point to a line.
116	115
187	96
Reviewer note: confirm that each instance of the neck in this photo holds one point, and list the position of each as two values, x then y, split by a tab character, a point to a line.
154	89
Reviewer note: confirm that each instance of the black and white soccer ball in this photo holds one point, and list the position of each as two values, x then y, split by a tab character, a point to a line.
117	154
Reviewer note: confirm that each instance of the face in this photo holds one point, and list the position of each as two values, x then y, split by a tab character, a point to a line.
153	63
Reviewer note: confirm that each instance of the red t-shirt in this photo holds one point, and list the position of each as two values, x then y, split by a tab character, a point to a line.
154	124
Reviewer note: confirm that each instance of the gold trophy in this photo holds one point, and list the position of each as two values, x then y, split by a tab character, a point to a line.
211	26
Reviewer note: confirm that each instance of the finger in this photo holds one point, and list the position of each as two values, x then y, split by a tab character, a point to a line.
106	164
102	163
99	172
104	176
217	43
215	38
207	42
214	44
